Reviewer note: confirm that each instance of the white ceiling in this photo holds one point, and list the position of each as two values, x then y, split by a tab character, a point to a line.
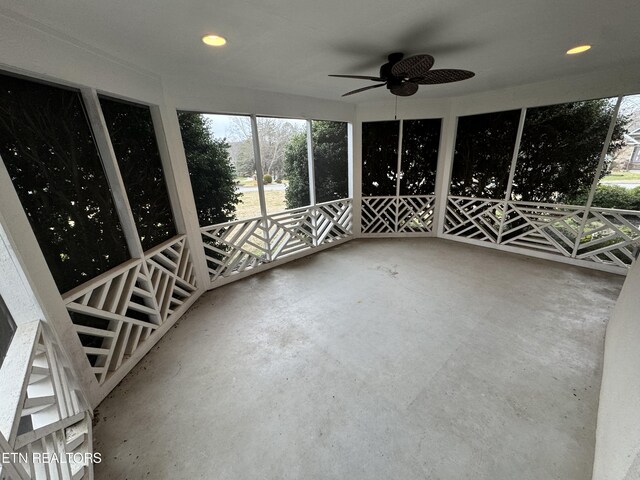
290	46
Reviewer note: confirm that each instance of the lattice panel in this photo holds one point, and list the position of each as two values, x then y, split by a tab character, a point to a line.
334	221
544	227
474	218
235	247
51	416
415	214
610	237
291	232
116	312
113	315
172	276
379	215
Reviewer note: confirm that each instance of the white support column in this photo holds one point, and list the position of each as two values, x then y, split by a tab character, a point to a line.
32	293
354	149
112	171
596	178
512	171
176	173
312	183
312	171
446	150
398	175
260	180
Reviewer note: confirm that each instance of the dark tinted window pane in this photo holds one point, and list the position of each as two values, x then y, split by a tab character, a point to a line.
483	154
48	148
420	141
331	160
379	157
560	151
134	142
7	329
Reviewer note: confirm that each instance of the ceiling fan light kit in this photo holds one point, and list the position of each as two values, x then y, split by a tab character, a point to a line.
402	76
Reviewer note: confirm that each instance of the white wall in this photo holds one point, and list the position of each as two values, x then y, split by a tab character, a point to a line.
598	84
617	455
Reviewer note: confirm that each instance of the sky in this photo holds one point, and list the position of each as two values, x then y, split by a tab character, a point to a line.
221	125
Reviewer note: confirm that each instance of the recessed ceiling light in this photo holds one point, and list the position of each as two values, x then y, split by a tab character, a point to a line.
578	49
214	40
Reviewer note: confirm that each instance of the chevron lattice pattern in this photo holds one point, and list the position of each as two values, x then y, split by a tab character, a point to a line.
234	247
291	231
545	227
50	416
474	218
116	312
241	245
334	221
610	237
391	215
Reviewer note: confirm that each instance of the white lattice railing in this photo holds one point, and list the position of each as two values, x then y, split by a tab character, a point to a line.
392	215
241	245
601	235
116	312
45	424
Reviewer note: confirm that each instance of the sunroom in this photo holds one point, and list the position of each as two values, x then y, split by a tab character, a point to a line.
215	263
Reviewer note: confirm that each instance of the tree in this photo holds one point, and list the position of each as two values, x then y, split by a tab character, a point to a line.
210	169
296	168
274	135
330	158
560	150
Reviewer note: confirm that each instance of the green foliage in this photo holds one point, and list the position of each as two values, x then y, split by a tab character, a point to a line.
267	179
48	149
611	196
331	160
560	149
296	169
483	154
134	142
212	175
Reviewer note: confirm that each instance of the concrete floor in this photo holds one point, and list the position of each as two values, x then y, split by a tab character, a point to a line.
377	359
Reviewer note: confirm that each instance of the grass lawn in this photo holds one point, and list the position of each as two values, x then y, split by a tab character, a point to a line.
249	205
622	177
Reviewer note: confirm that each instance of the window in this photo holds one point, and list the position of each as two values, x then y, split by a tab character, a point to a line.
49	151
134	142
285	162
560	151
619	185
420	142
330	160
7	329
483	154
219	153
379	158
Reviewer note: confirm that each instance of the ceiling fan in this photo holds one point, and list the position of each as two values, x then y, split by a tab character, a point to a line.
402	76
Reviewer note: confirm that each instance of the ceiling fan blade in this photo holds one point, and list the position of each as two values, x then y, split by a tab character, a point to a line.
414	66
363	89
405	89
360	77
447	75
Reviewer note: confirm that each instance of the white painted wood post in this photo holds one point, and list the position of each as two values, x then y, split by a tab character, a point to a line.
446	150
33	292
260	180
112	171
596	178
512	171
354	149
176	172
398	176
312	184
